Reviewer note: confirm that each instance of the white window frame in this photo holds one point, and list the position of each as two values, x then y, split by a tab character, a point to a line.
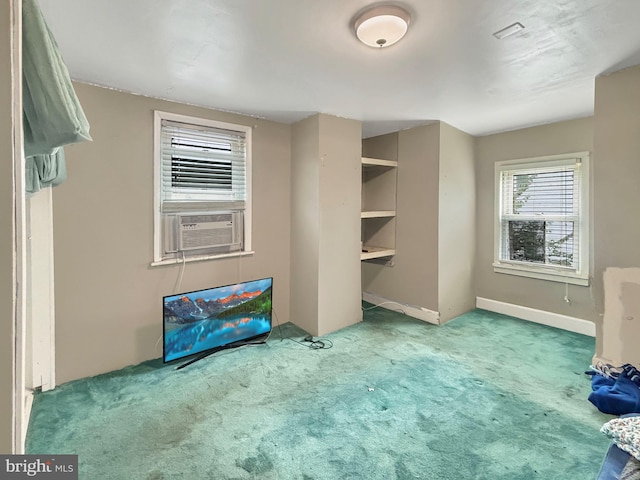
158	234
546	272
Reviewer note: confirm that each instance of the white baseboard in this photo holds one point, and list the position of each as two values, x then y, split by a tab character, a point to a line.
420	313
556	320
28	403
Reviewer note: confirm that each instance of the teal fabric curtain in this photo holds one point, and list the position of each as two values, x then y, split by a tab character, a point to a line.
45	171
53	116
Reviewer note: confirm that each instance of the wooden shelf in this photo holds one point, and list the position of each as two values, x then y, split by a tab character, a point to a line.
378	214
378	192
369	253
377	162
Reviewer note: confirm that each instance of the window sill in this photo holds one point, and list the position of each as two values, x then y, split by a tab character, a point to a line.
200	258
541	274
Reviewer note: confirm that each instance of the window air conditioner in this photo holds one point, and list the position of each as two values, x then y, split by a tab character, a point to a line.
208	230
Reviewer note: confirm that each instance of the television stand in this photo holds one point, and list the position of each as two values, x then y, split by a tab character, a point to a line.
206	354
217	349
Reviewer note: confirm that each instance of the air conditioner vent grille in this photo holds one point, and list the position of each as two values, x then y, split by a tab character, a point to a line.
205	218
206	230
200	233
192	239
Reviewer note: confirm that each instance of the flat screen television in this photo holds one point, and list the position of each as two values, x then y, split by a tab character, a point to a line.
205	321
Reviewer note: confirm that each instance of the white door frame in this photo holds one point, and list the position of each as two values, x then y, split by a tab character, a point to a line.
40	315
20	413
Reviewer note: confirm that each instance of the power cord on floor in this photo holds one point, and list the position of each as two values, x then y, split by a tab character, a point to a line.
308	341
317	344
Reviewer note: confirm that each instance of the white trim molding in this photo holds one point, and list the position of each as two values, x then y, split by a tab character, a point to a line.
26	416
20	413
576	274
550	319
420	313
40	334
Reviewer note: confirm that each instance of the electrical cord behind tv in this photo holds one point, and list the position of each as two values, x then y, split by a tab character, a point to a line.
263	342
178	284
277	322
176	289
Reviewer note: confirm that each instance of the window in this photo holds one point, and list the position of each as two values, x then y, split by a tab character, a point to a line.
542	218
202	188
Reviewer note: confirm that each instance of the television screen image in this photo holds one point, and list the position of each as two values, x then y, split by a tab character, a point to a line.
204	320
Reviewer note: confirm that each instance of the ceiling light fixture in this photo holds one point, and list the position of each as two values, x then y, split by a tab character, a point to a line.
382	26
510	30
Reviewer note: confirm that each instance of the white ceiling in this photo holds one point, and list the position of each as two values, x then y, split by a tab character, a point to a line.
287	59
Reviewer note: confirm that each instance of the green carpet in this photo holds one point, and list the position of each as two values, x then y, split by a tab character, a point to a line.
484	397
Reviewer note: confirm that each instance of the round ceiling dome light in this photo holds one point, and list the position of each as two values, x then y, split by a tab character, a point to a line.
382	26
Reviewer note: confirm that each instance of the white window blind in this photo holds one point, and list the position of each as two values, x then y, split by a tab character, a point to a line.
202	164
542	216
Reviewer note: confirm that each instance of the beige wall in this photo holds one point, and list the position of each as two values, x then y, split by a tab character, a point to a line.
557	138
325	227
339	293
305	223
413	279
382	146
456	223
616	177
108	297
6	233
